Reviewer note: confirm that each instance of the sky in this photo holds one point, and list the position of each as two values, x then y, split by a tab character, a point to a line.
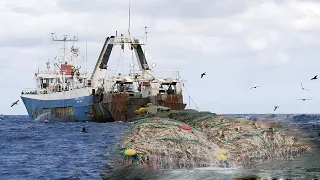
238	43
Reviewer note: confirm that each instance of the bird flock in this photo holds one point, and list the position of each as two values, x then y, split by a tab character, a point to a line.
276	107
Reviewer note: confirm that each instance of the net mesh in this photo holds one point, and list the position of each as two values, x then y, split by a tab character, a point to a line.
162	142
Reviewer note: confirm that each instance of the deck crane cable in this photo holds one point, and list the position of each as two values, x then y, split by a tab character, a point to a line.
57	55
114	75
191	98
120	57
132	56
122	61
133	69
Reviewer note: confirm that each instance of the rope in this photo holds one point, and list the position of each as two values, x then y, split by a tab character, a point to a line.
154	125
122	62
164	124
250	134
57	55
132	57
165	139
145	119
191	98
166	119
202	118
118	63
224	122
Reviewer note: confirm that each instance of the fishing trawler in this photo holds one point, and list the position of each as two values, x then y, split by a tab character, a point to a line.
63	91
66	93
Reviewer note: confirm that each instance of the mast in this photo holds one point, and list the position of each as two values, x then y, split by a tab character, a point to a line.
129	18
86	47
48	65
65	40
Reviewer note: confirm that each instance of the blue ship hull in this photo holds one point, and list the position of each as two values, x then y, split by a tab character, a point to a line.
74	109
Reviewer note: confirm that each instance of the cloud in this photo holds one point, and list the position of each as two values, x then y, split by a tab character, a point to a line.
238	43
257	44
193	8
21	42
160	8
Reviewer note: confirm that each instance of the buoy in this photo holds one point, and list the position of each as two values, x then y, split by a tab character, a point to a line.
221	152
185	127
222	157
142	111
130	152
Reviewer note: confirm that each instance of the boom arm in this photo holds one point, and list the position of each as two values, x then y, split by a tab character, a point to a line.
100	68
141	57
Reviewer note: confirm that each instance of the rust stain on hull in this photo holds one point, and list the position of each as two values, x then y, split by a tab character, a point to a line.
172	101
120	107
117	106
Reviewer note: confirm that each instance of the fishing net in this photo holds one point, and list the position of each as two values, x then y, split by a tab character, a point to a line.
165	142
161	143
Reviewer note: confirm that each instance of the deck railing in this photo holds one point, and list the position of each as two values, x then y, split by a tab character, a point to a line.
157	74
30	91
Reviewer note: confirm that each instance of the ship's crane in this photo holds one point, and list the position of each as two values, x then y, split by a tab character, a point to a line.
100	68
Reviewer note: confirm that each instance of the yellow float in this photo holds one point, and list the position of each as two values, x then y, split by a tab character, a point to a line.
142	111
221	152
130	152
221	155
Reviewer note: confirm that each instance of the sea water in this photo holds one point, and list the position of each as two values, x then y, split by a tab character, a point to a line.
39	150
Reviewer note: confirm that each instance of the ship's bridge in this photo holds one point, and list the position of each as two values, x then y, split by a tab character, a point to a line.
64	79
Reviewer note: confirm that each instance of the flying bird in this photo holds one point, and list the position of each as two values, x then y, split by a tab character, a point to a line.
315	77
255	87
203	74
303	99
275	108
15	103
303	87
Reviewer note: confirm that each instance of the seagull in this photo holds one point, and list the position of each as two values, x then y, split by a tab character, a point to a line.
304	99
255	87
15	103
315	77
275	108
203	74
303	87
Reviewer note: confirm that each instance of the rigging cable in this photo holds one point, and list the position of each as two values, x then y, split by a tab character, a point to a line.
132	57
57	55
191	98
86	68
133	70
122	62
120	57
118	63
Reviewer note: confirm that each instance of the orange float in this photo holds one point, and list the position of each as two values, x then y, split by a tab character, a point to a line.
185	127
